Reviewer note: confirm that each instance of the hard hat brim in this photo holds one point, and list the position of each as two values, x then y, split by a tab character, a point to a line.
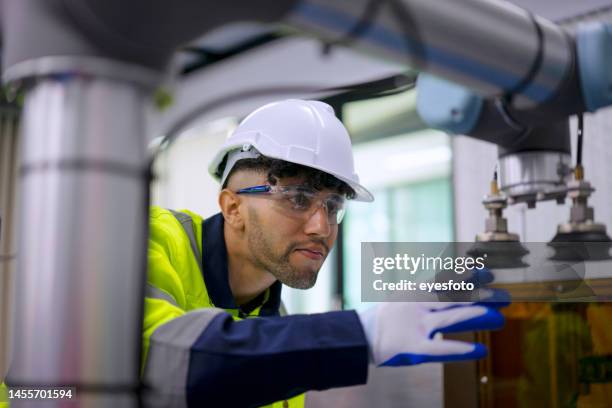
361	193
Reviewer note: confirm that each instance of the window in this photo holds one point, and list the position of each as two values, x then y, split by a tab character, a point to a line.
408	169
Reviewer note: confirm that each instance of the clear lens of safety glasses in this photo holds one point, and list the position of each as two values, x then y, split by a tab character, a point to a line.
334	205
303	201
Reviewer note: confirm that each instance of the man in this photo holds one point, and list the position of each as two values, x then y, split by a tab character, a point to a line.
285	175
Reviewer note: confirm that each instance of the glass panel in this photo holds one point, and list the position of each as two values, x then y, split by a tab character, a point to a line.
411	213
362	222
408	169
422	212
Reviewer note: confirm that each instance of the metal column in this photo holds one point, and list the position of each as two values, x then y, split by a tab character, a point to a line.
83	228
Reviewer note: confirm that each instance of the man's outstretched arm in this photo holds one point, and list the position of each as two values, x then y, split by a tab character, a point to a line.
212	359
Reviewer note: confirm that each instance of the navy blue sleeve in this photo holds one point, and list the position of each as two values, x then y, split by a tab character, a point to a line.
258	361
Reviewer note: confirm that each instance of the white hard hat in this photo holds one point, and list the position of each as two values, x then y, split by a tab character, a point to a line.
296	131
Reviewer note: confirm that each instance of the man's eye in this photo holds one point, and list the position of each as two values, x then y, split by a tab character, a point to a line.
300	201
332	207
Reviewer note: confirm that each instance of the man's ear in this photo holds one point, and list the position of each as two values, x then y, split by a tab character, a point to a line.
229	202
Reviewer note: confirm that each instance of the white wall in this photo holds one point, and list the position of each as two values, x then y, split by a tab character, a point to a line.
182	179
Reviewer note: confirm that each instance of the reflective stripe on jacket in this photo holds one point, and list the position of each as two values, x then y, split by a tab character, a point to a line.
199	351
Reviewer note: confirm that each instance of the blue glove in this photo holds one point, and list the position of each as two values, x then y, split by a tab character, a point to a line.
403	333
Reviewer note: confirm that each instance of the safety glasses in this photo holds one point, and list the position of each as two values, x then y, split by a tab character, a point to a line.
302	201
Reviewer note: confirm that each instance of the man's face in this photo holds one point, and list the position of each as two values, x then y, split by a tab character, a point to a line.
290	248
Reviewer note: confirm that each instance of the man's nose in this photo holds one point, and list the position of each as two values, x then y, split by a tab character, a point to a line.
318	223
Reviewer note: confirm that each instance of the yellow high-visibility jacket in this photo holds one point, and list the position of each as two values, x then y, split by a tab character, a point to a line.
201	348
3	396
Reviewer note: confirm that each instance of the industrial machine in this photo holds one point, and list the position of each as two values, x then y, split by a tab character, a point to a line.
88	70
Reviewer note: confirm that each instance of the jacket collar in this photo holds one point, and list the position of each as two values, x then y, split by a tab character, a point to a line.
216	274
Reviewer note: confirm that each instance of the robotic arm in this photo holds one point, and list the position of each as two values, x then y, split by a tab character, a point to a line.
533	144
495	72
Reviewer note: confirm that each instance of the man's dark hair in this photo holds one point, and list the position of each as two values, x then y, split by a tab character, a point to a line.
278	169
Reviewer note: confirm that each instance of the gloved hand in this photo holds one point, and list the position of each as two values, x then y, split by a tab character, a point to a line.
402	333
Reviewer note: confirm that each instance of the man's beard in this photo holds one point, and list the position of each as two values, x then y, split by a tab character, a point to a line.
279	266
